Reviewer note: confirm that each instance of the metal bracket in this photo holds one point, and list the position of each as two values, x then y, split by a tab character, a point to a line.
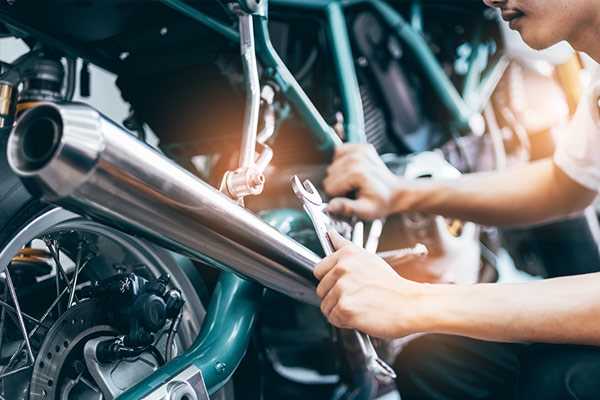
249	179
107	375
255	7
188	384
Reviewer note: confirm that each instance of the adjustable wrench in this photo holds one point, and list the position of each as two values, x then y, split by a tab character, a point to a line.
315	208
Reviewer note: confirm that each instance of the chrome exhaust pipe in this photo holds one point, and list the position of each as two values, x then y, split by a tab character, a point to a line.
84	162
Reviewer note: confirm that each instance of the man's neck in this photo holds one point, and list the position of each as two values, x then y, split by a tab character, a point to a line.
588	40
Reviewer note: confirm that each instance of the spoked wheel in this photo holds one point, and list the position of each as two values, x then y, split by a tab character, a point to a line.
87	311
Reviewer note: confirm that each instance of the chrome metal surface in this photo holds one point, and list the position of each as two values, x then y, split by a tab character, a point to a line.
314	206
404	255
252	90
13	295
116	377
267	95
248	179
100	170
375	232
188	384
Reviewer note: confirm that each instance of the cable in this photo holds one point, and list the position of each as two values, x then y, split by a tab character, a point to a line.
308	65
157	354
171	336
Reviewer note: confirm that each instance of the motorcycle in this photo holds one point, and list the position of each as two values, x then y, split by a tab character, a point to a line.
109	246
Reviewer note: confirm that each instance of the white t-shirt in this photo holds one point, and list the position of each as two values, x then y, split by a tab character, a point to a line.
578	149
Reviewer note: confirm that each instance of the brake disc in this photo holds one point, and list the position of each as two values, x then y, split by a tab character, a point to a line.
60	366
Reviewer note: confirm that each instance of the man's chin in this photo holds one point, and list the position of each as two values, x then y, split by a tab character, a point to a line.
534	41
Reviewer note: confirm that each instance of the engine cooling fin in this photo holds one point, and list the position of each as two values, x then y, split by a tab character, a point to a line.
375	123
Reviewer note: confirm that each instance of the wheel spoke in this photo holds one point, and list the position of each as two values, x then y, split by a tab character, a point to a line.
50	248
78	266
13	294
56	301
45	315
17	310
54	248
49	310
35	329
15	371
2	320
6	306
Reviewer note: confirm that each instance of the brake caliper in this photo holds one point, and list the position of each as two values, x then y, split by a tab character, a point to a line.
137	307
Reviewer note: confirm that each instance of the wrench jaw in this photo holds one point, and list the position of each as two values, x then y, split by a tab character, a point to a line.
315	207
306	192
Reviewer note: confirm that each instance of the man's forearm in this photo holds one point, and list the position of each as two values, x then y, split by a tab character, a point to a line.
527	194
562	310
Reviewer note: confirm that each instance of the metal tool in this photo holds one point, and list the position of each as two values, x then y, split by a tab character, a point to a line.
315	208
401	256
374	235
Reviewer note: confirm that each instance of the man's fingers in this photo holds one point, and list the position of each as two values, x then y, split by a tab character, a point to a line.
329	302
339	184
337	240
341	206
340	160
328	282
326	264
361	207
365	209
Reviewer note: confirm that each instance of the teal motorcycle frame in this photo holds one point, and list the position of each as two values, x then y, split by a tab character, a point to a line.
224	337
234	304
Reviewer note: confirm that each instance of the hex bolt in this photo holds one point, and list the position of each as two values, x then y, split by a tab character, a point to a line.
221	367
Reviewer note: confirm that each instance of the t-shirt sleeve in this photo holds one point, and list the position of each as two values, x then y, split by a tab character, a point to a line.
578	149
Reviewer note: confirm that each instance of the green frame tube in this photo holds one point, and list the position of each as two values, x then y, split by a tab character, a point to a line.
276	69
477	60
442	85
227	327
354	123
462	114
416	15
222	341
204	19
326	137
460	111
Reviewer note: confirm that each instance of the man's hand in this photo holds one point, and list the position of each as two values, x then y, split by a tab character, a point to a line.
360	291
359	168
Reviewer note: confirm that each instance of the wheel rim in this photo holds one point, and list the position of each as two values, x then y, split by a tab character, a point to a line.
155	261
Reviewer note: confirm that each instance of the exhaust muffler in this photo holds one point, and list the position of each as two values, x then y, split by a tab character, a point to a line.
82	161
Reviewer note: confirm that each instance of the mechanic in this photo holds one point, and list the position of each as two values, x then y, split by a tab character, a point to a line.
359	290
